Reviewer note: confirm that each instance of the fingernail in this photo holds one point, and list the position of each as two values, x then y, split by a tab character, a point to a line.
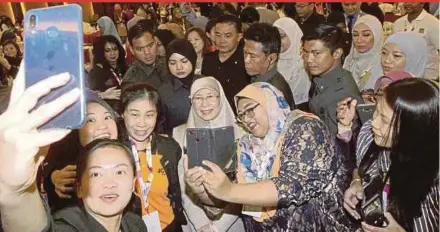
64	76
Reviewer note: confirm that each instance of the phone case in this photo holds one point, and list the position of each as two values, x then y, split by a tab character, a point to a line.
53	45
365	112
216	145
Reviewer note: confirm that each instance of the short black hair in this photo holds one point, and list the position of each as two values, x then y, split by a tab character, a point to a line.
230	19
249	15
139	29
332	36
265	34
210	25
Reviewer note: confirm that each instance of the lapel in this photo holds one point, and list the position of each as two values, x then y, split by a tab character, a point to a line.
157	148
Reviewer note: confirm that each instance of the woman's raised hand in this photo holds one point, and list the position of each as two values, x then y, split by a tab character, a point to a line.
20	139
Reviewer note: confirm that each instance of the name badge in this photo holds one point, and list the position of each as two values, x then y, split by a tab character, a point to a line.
253	211
152	222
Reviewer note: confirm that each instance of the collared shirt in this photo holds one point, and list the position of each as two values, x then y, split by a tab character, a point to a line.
230	73
140	72
276	79
328	90
427	26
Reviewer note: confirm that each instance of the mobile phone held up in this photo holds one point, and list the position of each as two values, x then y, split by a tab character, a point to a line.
365	112
53	44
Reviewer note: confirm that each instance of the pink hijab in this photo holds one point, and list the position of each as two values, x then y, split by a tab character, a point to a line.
391	77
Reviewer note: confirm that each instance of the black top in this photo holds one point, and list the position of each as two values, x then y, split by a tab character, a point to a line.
74	219
231	73
175	102
311	22
327	90
102	78
276	79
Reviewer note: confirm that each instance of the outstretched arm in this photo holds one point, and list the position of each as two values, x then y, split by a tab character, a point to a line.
21	207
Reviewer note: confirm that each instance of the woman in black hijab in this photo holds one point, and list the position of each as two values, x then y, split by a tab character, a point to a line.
181	59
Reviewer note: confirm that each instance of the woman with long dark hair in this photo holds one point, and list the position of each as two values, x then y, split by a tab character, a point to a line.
201	43
401	151
11	60
108	69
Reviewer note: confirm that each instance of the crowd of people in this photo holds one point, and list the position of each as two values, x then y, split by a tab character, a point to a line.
288	79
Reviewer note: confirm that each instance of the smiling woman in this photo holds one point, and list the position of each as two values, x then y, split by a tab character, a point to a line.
62	157
156	157
289	158
210	109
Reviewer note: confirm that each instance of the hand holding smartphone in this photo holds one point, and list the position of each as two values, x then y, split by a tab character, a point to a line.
213	144
53	44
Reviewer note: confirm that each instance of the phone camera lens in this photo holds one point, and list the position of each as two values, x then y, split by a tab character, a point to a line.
33	21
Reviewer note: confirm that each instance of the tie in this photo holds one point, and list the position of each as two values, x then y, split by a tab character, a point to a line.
350	22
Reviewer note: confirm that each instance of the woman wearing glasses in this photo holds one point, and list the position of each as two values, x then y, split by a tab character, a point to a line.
290	174
210	109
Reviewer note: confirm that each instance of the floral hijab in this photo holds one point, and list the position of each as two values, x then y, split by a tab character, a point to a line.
257	155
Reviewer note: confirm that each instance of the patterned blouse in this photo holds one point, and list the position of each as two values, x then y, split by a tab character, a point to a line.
310	184
429	221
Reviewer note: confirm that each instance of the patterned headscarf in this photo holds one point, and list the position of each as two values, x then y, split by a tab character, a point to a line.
257	155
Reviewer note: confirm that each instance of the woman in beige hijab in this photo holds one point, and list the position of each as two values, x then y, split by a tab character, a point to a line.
210	109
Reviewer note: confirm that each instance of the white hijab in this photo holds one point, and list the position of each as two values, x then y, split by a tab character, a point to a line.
415	49
226	115
290	64
361	63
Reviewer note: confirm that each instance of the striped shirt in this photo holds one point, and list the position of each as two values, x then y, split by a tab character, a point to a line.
429	220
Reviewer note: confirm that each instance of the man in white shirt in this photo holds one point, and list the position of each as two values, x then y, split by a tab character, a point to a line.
426	25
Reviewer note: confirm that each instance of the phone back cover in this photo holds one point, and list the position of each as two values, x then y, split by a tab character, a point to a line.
365	112
55	46
214	144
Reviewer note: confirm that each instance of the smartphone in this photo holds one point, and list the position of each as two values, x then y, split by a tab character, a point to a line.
213	144
365	112
53	44
372	212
